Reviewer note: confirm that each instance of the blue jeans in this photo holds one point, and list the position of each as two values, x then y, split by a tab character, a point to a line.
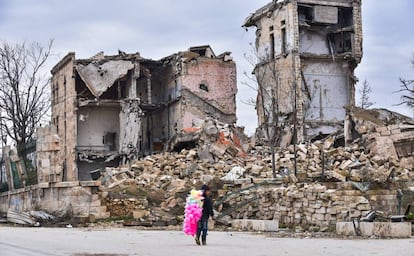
202	228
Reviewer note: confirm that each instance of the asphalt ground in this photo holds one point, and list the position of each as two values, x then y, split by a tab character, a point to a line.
17	241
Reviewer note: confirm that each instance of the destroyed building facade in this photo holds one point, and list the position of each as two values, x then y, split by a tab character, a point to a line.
307	52
107	110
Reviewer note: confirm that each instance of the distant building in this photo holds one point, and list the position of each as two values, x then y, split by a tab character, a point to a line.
308	51
108	110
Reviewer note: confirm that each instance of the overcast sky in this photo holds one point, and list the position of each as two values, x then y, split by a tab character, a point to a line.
158	28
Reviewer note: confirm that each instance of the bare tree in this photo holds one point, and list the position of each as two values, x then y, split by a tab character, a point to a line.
24	89
407	86
266	82
365	91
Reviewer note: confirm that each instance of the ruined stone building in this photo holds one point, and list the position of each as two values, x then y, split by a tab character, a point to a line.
107	110
307	51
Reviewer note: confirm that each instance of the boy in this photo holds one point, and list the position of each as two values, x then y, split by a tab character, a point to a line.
207	212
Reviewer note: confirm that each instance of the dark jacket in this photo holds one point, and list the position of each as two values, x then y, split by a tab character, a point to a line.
207	207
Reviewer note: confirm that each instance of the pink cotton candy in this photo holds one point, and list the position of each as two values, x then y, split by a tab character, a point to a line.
193	211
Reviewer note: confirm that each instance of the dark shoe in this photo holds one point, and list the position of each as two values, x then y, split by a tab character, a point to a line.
197	240
204	239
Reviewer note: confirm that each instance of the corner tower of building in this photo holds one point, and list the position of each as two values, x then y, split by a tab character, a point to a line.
308	51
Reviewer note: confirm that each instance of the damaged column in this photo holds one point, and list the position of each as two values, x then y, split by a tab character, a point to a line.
130	132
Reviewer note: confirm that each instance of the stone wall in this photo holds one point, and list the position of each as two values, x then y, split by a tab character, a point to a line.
214	81
49	168
70	199
309	206
64	115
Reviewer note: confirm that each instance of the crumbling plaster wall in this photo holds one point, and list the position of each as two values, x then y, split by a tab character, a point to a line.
214	82
327	89
277	80
129	120
272	24
313	42
94	122
64	115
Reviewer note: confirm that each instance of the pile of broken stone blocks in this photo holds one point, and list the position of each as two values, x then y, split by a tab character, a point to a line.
241	175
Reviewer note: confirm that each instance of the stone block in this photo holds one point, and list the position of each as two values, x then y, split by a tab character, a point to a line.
243	181
211	224
364	207
95	203
318	216
386	133
379	229
256	225
297	204
138	214
345	164
337	175
103	215
66	184
395	131
43	185
91	183
321	210
310	210
381	129
218	149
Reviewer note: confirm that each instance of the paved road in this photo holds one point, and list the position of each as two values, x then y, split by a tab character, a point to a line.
15	241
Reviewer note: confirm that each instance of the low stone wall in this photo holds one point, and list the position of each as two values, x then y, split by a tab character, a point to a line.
315	207
127	207
310	206
79	199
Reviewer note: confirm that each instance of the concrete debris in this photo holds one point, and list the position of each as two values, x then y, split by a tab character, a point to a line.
42	216
22	218
98	78
234	174
153	189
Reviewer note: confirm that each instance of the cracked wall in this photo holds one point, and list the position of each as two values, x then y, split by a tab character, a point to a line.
210	84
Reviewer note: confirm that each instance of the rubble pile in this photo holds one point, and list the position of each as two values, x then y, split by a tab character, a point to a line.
153	189
323	162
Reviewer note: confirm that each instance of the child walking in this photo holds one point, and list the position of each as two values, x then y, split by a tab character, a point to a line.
207	212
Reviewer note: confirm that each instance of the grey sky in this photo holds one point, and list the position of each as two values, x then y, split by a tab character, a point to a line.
158	28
